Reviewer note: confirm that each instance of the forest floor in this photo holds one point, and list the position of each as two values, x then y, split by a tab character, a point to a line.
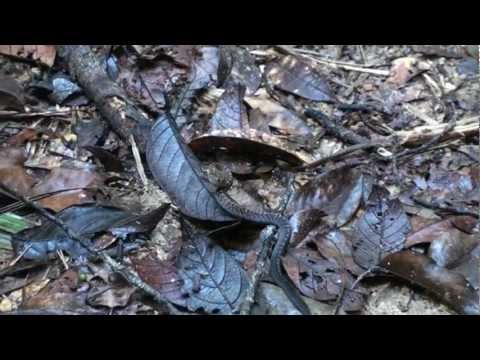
369	152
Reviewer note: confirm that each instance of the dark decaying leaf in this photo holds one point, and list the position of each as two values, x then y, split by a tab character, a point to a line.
43	53
299	77
237	66
12	172
64	178
448	245
266	113
60	294
214	281
336	245
11	94
135	224
381	230
179	173
304	221
338	193
231	112
85	221
204	68
89	131
450	248
162	275
109	161
63	89
449	286
251	144
322	279
431	231
110	296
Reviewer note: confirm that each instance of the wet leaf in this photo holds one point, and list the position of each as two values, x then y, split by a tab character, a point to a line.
230	113
109	161
178	172
12	172
43	53
304	221
402	70
24	136
60	294
204	68
86	221
381	230
338	193
89	131
111	297
161	274
213	279
66	178
251	145
237	66
271	114
139	223
321	279
63	89
449	286
448	244
336	245
299	77
11	94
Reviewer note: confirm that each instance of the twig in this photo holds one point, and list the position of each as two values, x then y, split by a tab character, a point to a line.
260	269
337	155
458	211
138	161
336	130
127	273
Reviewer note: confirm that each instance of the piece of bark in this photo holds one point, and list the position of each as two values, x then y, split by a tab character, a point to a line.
124	116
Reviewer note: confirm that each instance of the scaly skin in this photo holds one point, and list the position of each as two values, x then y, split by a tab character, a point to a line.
284	233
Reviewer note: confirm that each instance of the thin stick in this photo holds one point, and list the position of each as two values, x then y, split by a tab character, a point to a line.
337	155
127	273
260	269
138	161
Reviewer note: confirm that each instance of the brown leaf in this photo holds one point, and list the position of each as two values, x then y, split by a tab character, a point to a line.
12	172
59	294
111	297
444	234
252	144
237	66
276	116
451	287
230	113
43	53
11	94
23	136
402	70
66	178
381	230
160	274
337	192
299	77
321	279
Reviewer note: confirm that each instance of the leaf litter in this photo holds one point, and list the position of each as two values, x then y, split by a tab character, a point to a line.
355	217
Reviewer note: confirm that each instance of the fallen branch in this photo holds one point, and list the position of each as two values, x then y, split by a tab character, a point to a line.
260	270
338	155
111	100
336	130
127	273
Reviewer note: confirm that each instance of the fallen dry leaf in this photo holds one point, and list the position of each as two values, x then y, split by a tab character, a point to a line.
43	53
66	178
